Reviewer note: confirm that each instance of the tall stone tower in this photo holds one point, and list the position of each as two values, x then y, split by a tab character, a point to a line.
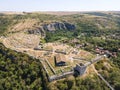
80	69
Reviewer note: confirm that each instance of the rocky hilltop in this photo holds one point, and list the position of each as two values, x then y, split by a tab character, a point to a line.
58	26
52	27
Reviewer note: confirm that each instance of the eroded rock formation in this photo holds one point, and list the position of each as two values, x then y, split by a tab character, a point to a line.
52	27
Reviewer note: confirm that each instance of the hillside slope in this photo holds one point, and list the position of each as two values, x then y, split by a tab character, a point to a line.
33	21
96	32
24	71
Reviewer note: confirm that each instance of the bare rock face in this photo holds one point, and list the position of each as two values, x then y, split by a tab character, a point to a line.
52	27
38	31
58	26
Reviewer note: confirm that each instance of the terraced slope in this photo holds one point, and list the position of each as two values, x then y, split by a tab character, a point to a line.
21	40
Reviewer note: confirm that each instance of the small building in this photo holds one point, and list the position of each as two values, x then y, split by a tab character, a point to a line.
80	69
60	60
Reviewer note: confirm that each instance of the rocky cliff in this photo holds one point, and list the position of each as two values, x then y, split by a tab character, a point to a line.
38	31
52	27
58	26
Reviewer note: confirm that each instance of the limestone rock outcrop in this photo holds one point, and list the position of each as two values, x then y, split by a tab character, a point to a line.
38	31
51	27
58	26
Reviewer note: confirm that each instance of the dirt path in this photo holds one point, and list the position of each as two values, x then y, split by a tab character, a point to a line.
101	77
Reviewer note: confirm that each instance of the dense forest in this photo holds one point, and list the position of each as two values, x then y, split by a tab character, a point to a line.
19	71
